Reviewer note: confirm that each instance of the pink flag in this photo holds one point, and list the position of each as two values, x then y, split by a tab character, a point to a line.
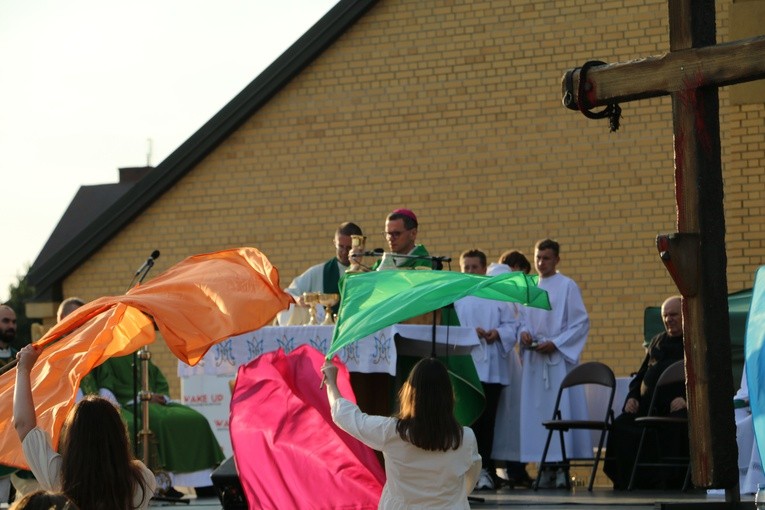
288	451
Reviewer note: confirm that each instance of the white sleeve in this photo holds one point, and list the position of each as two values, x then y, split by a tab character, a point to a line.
370	430
306	282
43	461
508	326
108	395
471	476
570	341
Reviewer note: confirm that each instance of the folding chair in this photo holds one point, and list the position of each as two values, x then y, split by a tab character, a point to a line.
675	373
592	372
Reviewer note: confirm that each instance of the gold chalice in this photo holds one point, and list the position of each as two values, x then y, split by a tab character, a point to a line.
328	301
311	299
357	254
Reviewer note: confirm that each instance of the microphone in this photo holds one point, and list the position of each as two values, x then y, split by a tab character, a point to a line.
377	252
149	262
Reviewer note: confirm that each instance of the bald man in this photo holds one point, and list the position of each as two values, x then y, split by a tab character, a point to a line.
664	349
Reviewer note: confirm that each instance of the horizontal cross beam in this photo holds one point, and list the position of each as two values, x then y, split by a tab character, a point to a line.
718	65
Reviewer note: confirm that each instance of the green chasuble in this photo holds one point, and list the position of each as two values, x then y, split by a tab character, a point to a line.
407	263
469	401
330	278
185	441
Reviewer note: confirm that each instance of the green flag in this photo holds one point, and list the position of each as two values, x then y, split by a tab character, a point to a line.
375	300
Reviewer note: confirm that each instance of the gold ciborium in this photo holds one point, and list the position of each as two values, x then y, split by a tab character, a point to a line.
357	254
328	301
311	299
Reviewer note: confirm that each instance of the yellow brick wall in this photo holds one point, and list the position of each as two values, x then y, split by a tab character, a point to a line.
453	109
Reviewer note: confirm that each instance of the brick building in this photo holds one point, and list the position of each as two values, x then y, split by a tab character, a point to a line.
452	109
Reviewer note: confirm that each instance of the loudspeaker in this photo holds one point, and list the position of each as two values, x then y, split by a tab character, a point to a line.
225	479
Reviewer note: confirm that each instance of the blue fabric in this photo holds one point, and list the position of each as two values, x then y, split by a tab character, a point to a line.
755	358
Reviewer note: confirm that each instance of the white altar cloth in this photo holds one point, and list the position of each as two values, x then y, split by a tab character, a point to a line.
375	353
205	387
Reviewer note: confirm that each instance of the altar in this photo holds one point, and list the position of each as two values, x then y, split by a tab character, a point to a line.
205	387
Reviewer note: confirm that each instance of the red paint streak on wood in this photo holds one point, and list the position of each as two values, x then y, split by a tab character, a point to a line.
591	95
680	177
692	85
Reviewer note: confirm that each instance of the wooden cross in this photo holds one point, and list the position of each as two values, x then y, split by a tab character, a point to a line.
694	256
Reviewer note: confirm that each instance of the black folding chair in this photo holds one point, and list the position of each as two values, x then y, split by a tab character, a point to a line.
592	372
675	373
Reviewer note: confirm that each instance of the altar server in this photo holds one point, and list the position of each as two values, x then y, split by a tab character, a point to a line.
551	343
496	327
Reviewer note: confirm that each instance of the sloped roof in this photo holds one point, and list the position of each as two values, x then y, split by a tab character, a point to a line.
89	203
47	273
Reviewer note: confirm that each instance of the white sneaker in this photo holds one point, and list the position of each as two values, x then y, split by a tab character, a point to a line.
547	480
484	481
560	479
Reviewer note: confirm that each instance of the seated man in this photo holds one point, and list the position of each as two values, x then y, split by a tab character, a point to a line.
665	349
186	445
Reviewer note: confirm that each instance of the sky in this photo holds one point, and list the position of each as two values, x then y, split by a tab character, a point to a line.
89	86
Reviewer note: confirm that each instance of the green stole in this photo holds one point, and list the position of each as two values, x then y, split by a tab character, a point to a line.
410	263
331	278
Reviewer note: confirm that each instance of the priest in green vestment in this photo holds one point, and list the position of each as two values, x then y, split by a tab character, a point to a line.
401	234
186	445
7	354
324	277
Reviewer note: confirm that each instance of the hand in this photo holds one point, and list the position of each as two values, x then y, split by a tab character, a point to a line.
526	338
299	301
330	373
631	406
546	347
677	404
156	398
27	357
491	336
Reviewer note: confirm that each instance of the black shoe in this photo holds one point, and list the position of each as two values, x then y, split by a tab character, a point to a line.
525	481
207	491
172	493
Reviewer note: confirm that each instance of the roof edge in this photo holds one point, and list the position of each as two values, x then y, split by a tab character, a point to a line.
276	76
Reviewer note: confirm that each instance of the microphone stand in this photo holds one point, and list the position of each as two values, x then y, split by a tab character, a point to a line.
437	264
142	272
145	396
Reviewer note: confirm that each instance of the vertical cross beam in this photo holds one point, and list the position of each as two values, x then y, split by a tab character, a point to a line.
699	195
694	256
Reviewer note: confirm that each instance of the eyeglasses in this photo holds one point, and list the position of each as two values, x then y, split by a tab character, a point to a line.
394	235
340	247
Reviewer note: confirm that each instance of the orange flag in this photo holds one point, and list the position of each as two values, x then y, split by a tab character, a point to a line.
195	304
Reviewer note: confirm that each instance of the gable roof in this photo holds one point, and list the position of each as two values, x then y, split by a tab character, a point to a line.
88	203
47	273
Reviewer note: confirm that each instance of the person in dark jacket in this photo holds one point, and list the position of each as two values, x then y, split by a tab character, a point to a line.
665	349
